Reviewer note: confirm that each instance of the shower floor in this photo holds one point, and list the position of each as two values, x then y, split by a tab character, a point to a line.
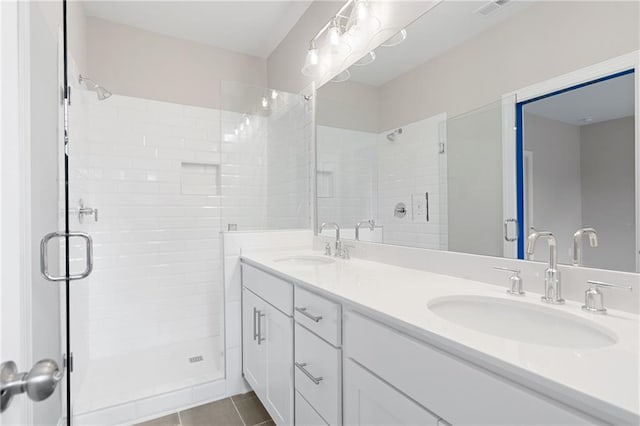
116	380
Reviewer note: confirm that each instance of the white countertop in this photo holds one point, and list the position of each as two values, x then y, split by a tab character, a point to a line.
602	381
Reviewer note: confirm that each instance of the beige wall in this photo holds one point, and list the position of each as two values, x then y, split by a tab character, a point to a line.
546	40
608	192
349	105
133	62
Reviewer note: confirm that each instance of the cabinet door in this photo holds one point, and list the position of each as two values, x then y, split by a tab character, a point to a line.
277	332
369	401
253	358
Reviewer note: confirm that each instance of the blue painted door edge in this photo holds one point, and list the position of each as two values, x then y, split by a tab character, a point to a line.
520	149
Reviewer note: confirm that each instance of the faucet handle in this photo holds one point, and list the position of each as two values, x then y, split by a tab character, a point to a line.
345	251
516	281
594	299
327	249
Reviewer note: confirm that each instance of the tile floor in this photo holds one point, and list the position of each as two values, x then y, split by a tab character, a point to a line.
239	410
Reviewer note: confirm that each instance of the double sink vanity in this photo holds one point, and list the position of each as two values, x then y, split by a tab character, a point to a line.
328	340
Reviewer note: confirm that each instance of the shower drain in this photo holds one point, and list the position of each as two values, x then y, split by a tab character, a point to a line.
197	358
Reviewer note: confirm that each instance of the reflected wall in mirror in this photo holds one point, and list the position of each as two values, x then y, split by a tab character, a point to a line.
423	140
579	171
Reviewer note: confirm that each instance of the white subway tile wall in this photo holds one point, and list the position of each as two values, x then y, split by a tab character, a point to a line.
347	176
155	297
408	169
363	175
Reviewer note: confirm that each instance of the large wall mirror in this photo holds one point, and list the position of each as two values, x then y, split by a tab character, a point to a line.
484	122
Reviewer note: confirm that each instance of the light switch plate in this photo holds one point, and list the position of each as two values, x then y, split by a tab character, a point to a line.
419	207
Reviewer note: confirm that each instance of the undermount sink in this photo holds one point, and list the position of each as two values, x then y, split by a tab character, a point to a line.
522	322
306	260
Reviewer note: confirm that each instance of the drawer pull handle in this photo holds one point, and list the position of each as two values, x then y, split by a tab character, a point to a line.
301	367
304	312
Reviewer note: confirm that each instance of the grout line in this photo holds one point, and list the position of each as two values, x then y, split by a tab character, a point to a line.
237	411
179	419
262	423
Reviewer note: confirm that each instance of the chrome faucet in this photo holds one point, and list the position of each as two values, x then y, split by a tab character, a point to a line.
338	251
577	243
370	223
552	286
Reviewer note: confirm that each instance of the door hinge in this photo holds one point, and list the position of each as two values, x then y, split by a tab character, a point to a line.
67	362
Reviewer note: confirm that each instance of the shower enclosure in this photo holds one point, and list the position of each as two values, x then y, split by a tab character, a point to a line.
154	184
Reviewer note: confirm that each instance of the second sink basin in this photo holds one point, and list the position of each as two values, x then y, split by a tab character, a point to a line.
306	260
522	322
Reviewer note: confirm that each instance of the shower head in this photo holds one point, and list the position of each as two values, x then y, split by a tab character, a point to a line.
393	135
101	92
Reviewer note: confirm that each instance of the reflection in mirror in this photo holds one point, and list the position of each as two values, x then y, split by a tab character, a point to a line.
579	172
423	141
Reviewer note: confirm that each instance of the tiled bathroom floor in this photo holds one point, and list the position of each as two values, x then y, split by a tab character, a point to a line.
239	410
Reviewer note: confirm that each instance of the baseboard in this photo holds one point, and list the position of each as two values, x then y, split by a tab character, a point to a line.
155	406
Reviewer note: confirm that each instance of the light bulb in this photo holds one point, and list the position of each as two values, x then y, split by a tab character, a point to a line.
274	94
265	102
236	132
337	44
246	121
313	67
362	18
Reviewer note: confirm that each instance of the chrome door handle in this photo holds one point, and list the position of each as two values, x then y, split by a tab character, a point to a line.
303	311
259	336
44	256
301	366
506	230
255	330
39	383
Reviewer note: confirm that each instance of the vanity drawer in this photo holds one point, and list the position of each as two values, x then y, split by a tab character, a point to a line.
306	415
277	292
443	383
319	315
318	374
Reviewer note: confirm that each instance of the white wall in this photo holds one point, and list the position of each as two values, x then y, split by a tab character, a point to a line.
608	192
557	193
133	62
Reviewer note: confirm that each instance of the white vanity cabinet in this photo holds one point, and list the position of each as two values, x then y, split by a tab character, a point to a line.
416	375
318	357
369	401
267	340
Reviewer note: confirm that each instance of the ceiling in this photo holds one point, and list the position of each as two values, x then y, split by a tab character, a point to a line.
250	27
603	101
445	26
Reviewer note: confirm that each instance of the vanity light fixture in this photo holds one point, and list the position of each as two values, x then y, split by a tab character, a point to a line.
398	38
362	18
350	29
342	77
